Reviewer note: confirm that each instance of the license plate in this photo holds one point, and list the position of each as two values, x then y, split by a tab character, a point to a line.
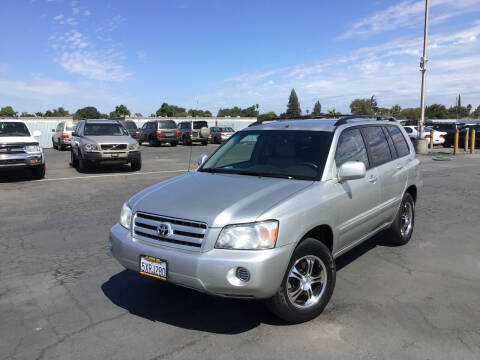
168	134
153	267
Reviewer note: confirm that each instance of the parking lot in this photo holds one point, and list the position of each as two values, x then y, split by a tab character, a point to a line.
62	296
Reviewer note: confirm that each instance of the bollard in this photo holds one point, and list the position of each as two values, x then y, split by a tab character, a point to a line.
466	139
472	142
455	143
431	138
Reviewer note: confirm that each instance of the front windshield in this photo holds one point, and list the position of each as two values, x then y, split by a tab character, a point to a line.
292	154
8	128
108	129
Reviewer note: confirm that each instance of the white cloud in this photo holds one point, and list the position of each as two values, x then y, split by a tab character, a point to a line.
58	17
87	13
409	13
389	70
142	55
75	10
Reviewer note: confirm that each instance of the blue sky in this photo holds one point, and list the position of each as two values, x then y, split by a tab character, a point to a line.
226	53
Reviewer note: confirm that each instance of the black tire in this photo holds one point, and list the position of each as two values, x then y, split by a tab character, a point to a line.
173	143
55	147
399	232
186	141
82	165
153	141
38	172
136	165
205	143
217	140
73	159
281	304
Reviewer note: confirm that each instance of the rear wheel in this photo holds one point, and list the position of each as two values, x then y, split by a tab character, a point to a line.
173	143
38	172
401	229
54	145
205	142
307	285
186	141
153	141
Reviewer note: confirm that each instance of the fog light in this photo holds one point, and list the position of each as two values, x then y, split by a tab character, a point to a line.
243	274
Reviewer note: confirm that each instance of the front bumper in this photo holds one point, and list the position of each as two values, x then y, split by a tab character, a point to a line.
208	271
8	161
100	157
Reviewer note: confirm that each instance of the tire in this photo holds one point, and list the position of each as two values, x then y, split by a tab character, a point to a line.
73	159
153	141
400	232
205	143
82	165
38	172
186	141
217	140
297	310
136	165
173	143
55	147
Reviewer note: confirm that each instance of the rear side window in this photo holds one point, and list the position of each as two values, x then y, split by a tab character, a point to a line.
378	145
351	148
399	141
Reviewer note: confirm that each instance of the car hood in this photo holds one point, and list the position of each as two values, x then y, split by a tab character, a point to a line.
18	140
216	199
108	139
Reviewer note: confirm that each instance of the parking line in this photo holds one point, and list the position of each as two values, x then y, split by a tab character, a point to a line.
112	175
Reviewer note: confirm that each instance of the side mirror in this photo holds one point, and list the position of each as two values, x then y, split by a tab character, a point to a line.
201	159
37	133
352	170
74	133
53	130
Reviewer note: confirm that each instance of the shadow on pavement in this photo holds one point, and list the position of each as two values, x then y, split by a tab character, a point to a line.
185	308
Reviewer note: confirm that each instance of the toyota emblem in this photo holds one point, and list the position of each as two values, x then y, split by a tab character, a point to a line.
164	230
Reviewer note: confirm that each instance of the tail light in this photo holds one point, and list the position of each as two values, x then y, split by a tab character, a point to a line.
222	134
159	133
178	133
442	136
191	132
427	136
65	136
137	134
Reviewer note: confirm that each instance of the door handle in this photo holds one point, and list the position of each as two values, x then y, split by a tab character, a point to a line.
399	166
373	179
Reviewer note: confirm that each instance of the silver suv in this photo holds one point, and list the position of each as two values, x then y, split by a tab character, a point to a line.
97	142
305	192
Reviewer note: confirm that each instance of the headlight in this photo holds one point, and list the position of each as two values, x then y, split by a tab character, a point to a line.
254	236
90	147
30	149
133	146
126	216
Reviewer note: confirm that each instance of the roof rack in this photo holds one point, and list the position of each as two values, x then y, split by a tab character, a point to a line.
345	119
342	119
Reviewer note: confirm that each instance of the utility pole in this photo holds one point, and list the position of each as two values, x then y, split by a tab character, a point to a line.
423	69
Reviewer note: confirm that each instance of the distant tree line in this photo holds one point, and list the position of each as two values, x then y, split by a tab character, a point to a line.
360	106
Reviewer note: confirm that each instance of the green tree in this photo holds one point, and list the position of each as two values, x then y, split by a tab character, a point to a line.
165	110
266	116
89	112
436	111
333	112
373	102
396	110
410	113
383	111
361	107
26	114
39	114
251	111
476	113
120	111
293	106
317	108
7	111
199	113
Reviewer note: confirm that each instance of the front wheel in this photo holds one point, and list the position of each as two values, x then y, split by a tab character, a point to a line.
136	165
401	229
38	172
73	159
82	165
307	285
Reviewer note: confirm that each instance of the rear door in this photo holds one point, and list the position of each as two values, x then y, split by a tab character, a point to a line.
392	172
358	199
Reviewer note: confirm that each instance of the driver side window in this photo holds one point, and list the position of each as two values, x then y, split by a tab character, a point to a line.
351	147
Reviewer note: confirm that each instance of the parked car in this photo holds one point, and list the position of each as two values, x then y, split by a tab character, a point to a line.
97	142
438	136
131	128
19	149
200	132
450	137
219	134
158	132
290	197
62	134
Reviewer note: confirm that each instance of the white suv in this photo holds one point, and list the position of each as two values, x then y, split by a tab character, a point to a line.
19	149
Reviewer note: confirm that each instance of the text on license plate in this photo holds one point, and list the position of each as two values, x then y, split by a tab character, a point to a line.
153	267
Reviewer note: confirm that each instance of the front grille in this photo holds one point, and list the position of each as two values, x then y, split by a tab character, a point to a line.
12	149
113	146
185	234
12	161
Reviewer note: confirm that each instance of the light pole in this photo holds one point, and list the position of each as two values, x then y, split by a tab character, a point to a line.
423	69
